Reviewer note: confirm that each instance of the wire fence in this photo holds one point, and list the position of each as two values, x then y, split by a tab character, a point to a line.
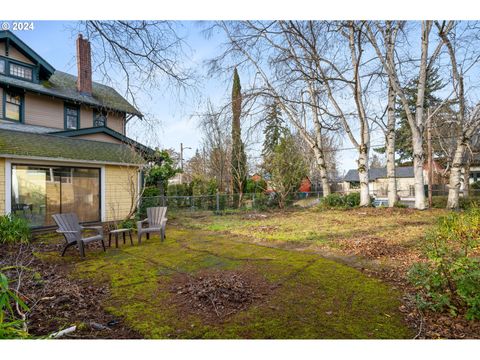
221	203
225	202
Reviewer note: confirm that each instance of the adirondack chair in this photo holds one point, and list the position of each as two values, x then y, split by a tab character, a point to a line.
156	221
70	228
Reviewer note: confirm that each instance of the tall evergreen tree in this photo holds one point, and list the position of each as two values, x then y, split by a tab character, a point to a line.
403	133
239	158
274	130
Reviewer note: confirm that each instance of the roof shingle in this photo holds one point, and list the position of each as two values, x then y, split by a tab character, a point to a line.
33	145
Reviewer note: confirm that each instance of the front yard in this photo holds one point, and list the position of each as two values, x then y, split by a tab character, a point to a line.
302	274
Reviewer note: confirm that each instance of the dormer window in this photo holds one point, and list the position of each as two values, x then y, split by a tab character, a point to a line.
2	66
21	71
99	118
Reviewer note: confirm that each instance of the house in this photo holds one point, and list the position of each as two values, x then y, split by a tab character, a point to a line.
378	181
63	142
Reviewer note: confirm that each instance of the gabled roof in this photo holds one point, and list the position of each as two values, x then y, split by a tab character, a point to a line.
59	148
64	86
378	173
27	51
107	131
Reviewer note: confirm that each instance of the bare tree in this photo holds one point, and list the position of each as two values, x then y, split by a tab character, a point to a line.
467	120
215	127
380	33
139	55
268	48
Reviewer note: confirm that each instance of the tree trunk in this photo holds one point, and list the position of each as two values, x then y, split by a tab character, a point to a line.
363	176
390	148
456	177
466	176
321	163
418	160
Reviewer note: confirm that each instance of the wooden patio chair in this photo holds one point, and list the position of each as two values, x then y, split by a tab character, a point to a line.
156	220
70	228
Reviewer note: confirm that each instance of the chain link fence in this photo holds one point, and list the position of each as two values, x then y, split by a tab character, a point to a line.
226	202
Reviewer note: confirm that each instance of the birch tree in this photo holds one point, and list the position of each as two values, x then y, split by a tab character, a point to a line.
287	78
379	35
467	121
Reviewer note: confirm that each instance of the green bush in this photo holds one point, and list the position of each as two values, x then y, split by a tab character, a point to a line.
450	279
14	229
340	201
10	327
128	224
352	200
150	191
179	190
440	202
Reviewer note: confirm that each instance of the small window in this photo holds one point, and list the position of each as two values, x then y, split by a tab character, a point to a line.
20	71
72	117
2	66
13	106
99	118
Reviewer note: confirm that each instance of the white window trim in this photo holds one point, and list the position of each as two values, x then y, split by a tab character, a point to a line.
8	186
102	194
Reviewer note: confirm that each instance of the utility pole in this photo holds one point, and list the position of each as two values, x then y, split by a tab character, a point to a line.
430	158
181	161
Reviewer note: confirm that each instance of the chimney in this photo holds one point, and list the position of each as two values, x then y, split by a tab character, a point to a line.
84	65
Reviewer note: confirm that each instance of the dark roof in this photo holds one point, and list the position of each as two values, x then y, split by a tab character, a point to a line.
107	131
30	145
63	86
377	173
26	50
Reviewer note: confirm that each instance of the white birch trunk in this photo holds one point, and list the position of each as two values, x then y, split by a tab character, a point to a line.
321	163
363	176
456	176
390	149
418	160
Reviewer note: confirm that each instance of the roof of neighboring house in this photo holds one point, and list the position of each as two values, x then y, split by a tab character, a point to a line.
41	146
377	173
64	86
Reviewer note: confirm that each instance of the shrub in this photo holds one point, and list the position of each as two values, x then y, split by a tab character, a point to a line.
450	279
352	200
440	202
339	201
14	229
10	327
399	205
333	201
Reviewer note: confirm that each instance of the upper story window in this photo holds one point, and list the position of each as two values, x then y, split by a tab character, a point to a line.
13	106
99	118
2	66
72	117
21	71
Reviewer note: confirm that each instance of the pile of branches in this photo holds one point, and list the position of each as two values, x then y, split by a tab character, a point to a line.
217	293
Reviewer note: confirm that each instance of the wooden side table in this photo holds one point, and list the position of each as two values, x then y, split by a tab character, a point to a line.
116	232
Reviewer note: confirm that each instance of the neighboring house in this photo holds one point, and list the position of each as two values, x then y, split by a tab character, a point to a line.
63	146
378	181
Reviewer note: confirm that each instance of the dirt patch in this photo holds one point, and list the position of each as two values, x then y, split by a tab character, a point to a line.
372	247
215	295
56	300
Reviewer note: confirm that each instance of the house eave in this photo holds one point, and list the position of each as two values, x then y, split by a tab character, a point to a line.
67	160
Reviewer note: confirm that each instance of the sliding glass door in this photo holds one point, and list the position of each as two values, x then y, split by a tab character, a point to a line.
38	192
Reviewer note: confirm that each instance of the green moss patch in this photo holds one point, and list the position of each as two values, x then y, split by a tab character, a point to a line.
312	297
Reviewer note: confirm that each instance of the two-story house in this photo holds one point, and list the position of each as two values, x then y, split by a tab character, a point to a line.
63	146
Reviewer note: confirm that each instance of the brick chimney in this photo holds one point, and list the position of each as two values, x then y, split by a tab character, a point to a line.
84	65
